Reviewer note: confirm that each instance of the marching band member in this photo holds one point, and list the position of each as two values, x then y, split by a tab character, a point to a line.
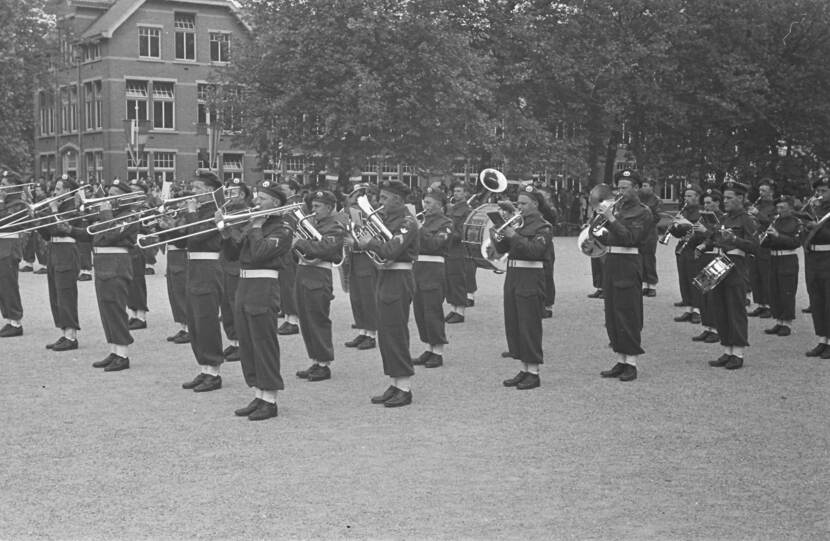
363	276
783	238
289	269
137	295
176	280
711	203
63	267
313	288
85	246
113	273
204	284
599	193
11	204
428	271
649	252
260	251
735	239
524	285
817	268
624	233
687	267
458	210
240	199
759	262
394	292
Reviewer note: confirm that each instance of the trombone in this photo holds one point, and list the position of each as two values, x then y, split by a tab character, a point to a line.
130	198
32	209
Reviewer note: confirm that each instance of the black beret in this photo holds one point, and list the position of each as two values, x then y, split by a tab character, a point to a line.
208	177
436	194
713	193
766	181
139	184
788	199
530	191
737	187
629	174
272	189
68	183
396	187
12	178
237	182
123	187
693	187
325	197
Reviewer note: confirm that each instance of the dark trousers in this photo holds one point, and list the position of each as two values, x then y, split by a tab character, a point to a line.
728	303
623	278
35	247
137	293
470	276
85	255
759	276
707	311
524	305
363	277
817	272
256	304
686	266
62	280
177	284
288	303
428	302
112	305
393	298
11	306
550	285
150	255
596	271
648	254
313	292
204	294
456	279
231	282
783	286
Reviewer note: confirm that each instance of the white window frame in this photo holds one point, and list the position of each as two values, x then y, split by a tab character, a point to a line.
148	33
165	98
136	93
184	30
213	34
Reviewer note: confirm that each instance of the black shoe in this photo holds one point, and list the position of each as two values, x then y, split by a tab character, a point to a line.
231	354
320	373
183	338
249	409
434	361
209	383
825	354
356	341
713	338
149	271
83	277
695	319
192	384
288	328
135	324
265	410
369	343
303	374
700	337
507	355
387	394
766	313
808	310
42	270
755	313
10	330
547	314
680	304
720	361
734	363
65	345
103	363
598	294
454	317
685	316
56	342
421	359
530	381
26	268
614	372
172	338
773	330
650	292
515	380
784	331
629	373
118	363
470	303
816	351
400	398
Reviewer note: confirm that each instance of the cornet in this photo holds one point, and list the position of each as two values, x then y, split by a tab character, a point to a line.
516	221
667	235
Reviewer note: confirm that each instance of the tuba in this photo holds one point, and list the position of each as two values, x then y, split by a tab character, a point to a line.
492	180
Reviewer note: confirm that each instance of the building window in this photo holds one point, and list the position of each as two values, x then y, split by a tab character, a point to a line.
137	170
92	52
164	166
220	47
46	103
95	166
99	104
47	165
185	25
149	42
92	105
232	166
294	164
137	100
231	109
69	109
163	105
203	110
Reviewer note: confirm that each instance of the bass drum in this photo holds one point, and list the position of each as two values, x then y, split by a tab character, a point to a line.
475	238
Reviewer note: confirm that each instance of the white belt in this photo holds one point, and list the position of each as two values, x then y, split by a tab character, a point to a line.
820	247
398	266
523	264
110	250
629	250
783	252
430	259
735	251
213	256
10	235
259	273
68	240
315	263
171	248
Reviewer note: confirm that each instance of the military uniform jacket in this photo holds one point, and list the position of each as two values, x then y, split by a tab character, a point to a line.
114	265
630	228
433	239
330	247
689	238
259	247
404	245
789	234
822	235
743	226
531	242
232	266
458	213
64	256
10	247
654	204
766	212
206	242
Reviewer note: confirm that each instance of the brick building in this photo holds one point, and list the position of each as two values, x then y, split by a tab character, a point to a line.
145	60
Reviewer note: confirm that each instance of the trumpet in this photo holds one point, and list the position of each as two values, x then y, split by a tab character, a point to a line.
600	220
375	226
667	235
517	221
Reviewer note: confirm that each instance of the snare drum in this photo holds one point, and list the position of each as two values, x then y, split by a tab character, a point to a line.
475	239
713	274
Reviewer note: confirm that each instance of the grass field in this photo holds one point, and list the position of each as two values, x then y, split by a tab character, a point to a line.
685	452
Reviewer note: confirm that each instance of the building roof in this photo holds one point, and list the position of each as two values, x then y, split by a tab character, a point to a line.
121	10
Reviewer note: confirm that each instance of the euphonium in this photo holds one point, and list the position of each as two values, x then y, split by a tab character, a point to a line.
375	226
